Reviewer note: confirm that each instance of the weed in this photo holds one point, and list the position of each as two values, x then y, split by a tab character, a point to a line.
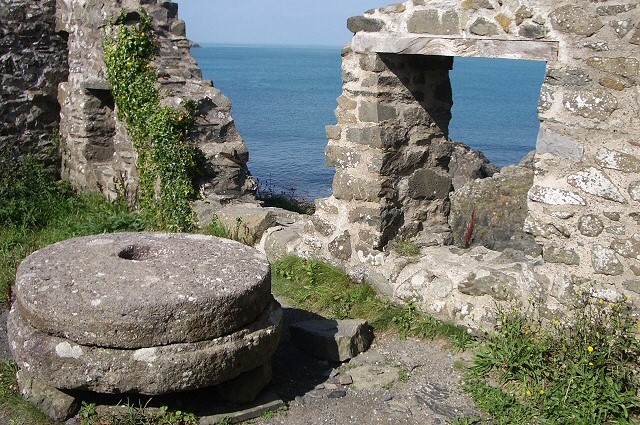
168	162
240	232
406	248
539	371
466	420
268	415
317	286
403	374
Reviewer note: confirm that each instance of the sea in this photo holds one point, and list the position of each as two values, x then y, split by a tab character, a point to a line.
283	97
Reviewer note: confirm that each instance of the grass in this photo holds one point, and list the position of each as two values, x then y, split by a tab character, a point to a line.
135	415
37	211
317	286
538	371
406	248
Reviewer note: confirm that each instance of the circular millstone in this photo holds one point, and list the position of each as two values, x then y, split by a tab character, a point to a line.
137	290
171	368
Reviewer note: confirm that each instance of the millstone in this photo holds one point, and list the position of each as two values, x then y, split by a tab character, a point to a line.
154	370
147	313
139	290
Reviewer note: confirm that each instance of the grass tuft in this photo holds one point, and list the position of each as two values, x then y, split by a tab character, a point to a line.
317	286
539	371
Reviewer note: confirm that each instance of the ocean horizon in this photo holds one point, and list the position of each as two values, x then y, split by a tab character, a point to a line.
283	96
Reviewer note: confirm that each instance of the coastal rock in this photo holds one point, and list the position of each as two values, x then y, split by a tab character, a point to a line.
491	212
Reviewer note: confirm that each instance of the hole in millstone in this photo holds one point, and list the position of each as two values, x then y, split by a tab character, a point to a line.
136	252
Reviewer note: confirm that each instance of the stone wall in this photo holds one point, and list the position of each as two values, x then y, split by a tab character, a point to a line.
97	153
33	60
566	221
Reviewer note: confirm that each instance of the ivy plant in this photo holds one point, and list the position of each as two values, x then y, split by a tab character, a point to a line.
168	163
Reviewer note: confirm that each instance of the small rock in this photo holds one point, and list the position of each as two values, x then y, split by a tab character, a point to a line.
387	397
346	380
330	387
337	394
53	402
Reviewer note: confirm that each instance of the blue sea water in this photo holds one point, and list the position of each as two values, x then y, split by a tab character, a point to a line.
284	96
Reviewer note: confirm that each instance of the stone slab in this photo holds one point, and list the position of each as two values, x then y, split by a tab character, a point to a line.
153	370
268	402
49	400
333	340
136	290
455	46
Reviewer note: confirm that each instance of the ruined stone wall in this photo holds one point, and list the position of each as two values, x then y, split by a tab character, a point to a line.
33	60
573	207
97	153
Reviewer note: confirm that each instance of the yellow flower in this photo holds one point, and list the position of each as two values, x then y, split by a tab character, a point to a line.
590	363
590	349
528	393
541	392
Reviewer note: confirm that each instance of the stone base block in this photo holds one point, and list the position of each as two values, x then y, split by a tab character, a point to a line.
52	402
246	387
333	340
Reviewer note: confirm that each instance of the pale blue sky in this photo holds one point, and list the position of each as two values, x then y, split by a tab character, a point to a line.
297	22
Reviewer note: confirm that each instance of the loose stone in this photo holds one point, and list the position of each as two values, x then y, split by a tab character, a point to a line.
605	261
590	225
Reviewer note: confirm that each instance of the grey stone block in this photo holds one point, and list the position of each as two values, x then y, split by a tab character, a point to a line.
333	340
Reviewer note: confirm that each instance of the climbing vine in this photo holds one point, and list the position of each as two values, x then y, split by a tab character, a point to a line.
168	163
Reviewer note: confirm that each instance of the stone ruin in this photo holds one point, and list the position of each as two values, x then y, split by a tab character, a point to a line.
142	313
564	220
53	81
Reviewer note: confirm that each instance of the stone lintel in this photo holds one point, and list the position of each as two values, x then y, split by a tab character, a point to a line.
455	46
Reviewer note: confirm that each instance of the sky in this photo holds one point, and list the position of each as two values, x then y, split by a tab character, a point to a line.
276	22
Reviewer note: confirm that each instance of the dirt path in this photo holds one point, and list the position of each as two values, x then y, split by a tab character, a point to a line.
395	382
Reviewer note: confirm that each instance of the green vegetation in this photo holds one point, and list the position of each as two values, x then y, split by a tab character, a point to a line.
317	286
167	162
539	371
37	211
239	232
406	248
135	415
